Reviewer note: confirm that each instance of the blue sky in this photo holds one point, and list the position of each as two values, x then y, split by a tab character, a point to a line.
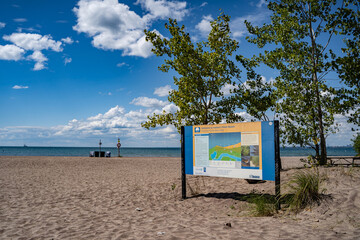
74	72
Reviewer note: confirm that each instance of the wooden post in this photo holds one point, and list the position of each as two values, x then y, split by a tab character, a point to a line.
183	175
277	164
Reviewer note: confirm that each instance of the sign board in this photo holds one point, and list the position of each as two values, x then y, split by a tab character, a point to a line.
237	150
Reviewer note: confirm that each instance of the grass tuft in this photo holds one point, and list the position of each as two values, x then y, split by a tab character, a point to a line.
263	206
304	190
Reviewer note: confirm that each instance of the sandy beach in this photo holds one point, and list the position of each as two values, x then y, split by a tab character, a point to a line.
140	198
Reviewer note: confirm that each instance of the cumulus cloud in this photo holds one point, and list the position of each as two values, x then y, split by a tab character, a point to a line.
34	42
162	91
23	42
2	25
116	121
170	108
40	60
113	26
20	87
67	40
148	102
204	26
164	9
227	88
11	52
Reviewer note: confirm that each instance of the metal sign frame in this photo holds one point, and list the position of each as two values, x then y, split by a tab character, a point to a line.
186	152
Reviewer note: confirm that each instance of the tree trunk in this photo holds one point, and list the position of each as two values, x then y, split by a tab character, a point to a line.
323	156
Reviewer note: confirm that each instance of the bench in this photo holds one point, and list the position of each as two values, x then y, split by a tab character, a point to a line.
344	161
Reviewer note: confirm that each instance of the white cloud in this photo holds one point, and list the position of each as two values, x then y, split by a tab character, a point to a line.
227	88
2	25
20	20
238	26
148	102
170	108
67	60
204	26
113	26
117	122
162	91
67	40
20	87
164	9
11	52
345	133
29	42
40	60
34	42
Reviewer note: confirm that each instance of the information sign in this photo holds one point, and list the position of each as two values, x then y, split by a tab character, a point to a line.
236	150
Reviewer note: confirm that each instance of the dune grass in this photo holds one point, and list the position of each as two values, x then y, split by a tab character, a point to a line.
304	190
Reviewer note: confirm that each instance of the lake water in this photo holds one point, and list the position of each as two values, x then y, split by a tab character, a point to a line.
147	152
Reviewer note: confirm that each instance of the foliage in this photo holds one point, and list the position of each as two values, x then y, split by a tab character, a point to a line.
299	34
304	189
347	19
310	161
356	145
255	96
204	69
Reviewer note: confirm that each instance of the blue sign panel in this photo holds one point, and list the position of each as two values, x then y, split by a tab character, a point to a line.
237	150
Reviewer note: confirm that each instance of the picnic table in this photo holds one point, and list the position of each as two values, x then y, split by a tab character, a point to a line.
344	161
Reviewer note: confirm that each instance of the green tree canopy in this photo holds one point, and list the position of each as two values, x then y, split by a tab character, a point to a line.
202	68
298	36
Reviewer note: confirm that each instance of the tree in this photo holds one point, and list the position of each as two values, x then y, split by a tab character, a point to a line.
203	70
299	35
356	142
255	96
347	20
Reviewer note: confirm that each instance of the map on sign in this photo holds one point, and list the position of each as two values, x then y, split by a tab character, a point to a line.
225	146
229	147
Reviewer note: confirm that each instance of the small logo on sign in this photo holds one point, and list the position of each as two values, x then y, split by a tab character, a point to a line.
253	176
197	129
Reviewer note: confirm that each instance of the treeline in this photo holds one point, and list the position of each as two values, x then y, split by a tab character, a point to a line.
298	42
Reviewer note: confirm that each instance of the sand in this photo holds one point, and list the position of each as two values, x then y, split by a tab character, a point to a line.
139	198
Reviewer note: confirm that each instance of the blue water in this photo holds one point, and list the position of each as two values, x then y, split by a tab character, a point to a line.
146	152
213	155
84	151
